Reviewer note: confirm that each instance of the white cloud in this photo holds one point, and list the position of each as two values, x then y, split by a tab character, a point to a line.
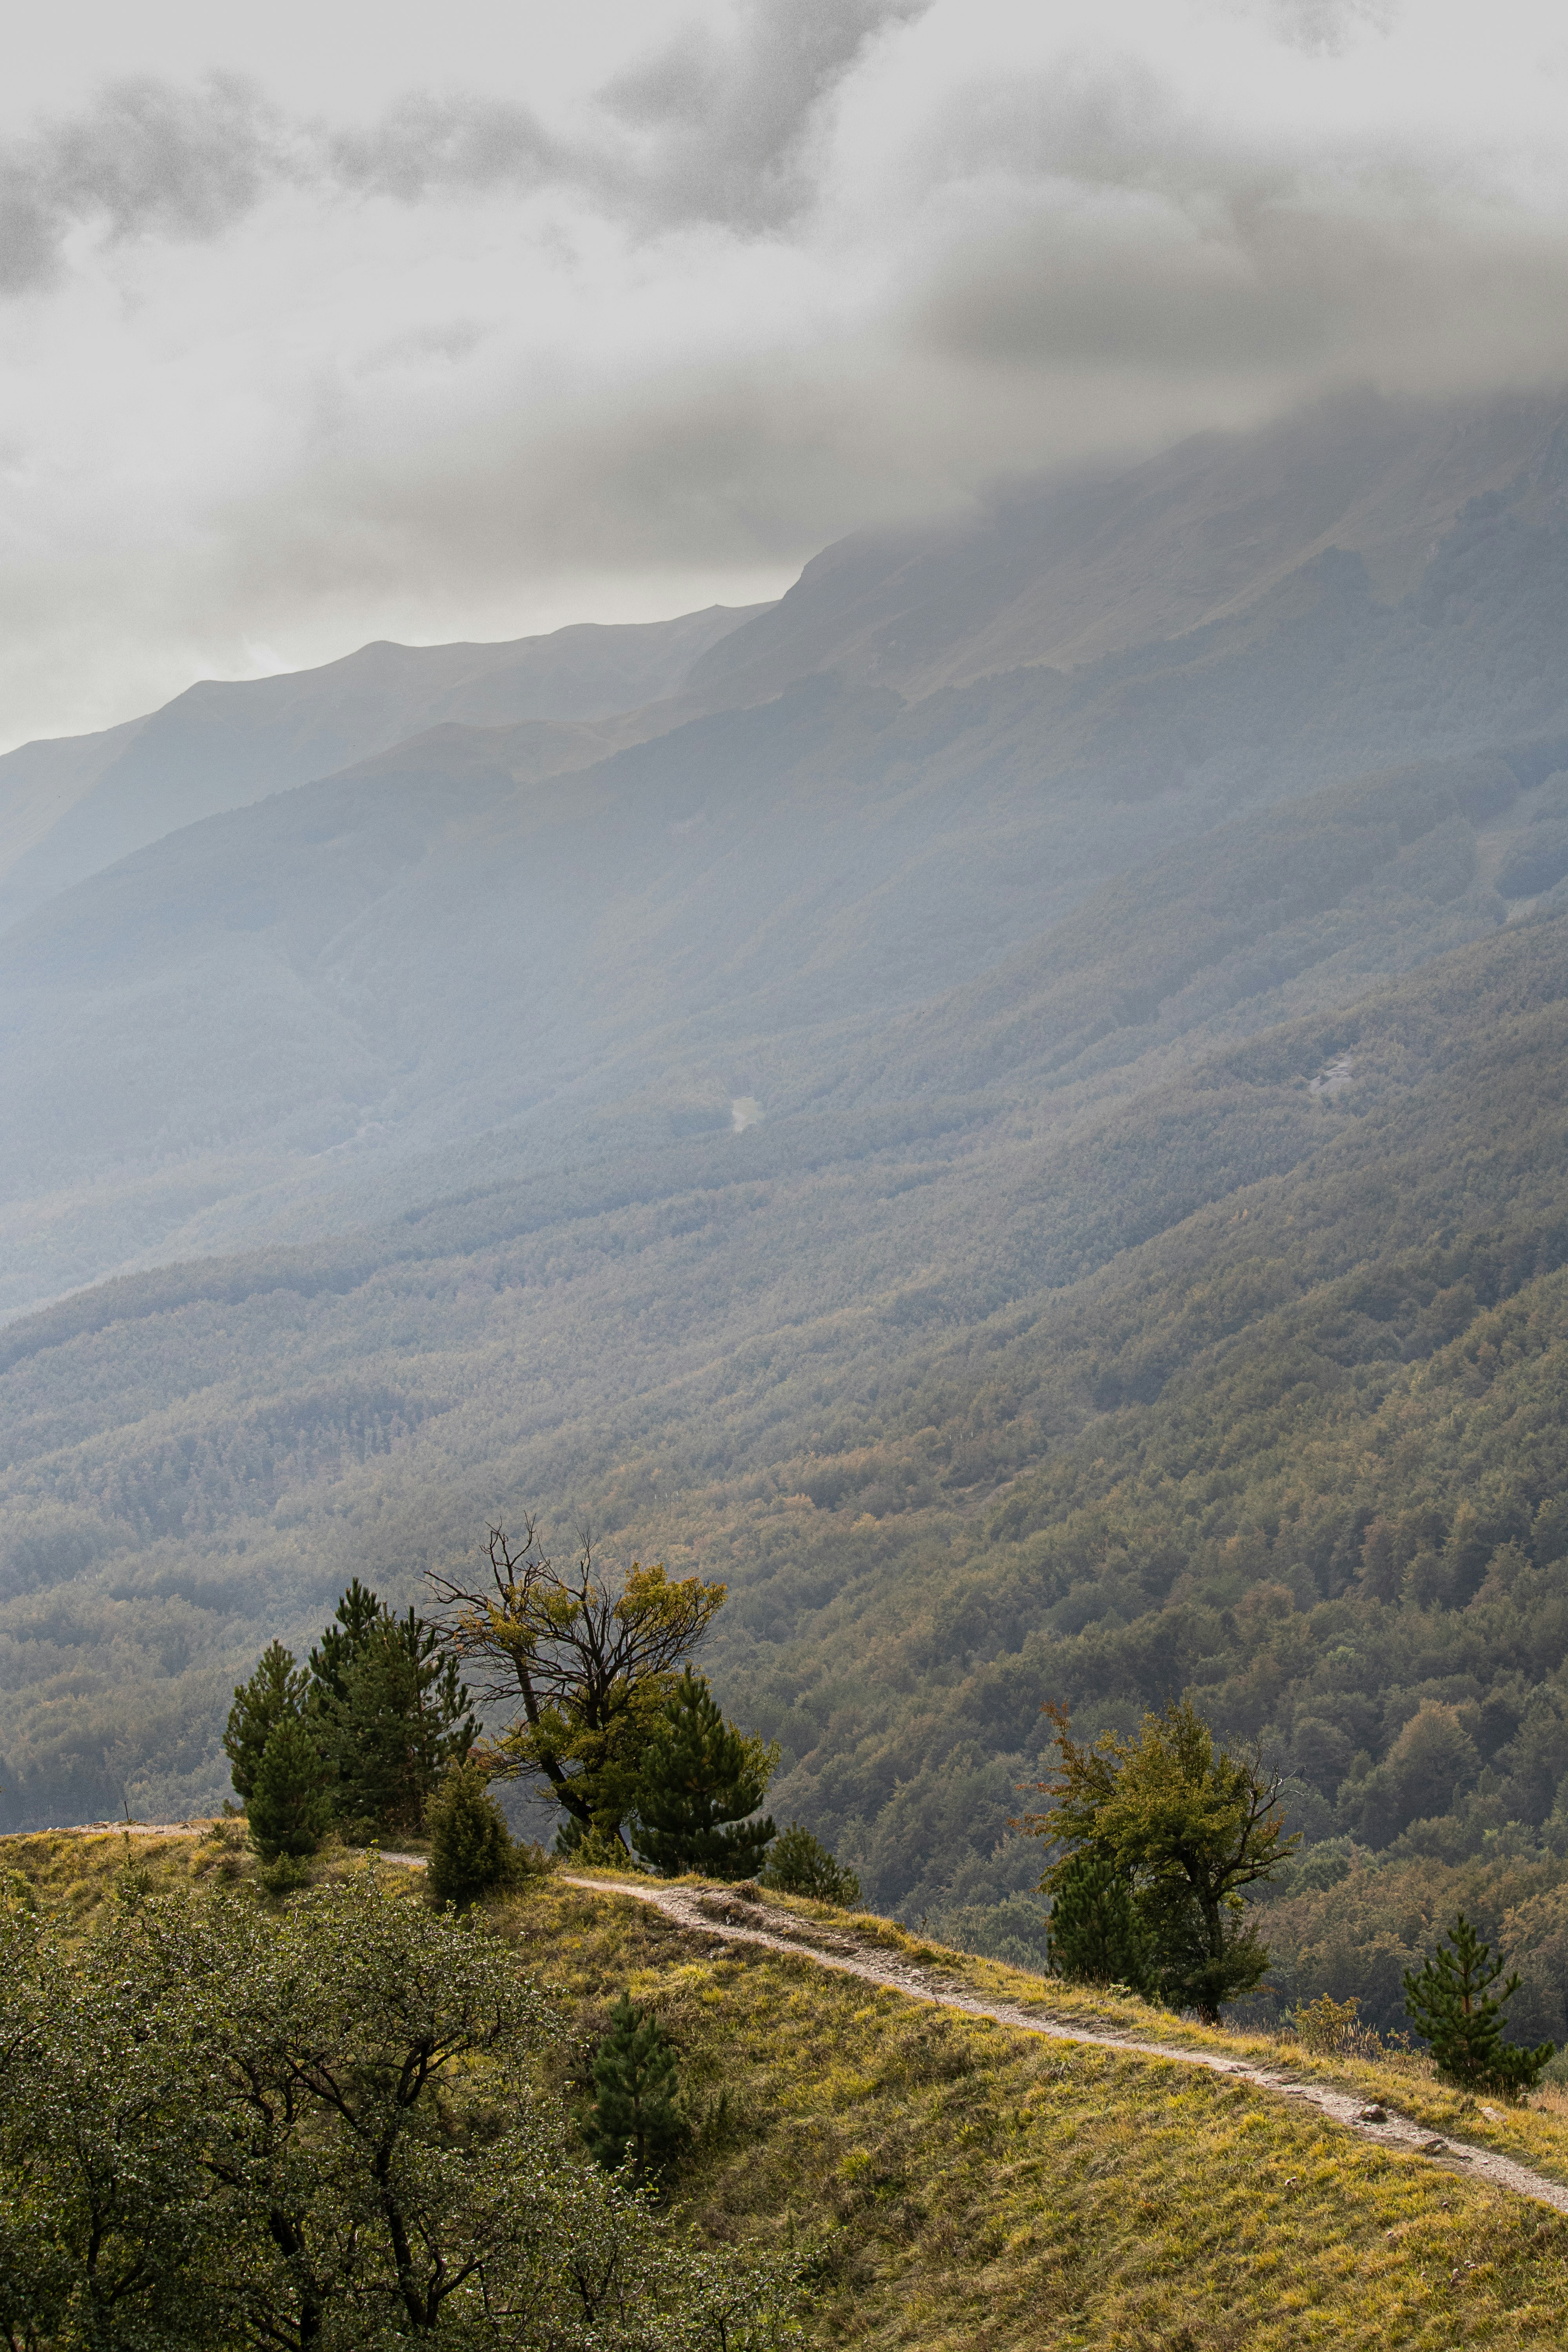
491	332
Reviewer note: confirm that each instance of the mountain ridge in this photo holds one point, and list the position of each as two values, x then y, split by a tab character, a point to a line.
221	743
835	1141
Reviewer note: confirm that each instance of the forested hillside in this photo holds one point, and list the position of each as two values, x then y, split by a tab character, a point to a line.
203	1453
260	1025
1054	1188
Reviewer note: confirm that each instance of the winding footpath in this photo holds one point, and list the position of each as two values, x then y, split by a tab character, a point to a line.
722	1916
726	1919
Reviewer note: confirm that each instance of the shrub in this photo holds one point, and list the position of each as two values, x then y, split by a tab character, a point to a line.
471	1852
1333	2029
801	1865
286	1875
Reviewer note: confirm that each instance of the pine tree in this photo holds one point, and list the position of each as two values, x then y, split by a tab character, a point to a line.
391	1718
277	1688
359	1615
801	1865
288	1807
1450	2002
636	2081
471	1852
1097	1935
699	1780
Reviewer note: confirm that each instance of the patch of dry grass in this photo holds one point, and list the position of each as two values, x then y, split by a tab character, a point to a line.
964	2186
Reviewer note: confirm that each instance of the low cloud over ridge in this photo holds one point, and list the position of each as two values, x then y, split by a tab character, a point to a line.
480	362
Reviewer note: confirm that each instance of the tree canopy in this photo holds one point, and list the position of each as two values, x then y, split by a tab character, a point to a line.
223	2130
584	1657
1190	1825
362	1734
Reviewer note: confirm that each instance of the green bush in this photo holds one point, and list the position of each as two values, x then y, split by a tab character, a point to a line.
471	1851
801	1865
286	1875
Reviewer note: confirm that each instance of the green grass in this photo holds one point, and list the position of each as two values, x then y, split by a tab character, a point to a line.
959	2186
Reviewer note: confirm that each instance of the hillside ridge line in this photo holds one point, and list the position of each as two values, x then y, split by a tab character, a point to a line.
699	1913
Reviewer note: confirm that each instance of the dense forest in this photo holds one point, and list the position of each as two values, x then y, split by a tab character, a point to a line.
1042	1236
1299	1454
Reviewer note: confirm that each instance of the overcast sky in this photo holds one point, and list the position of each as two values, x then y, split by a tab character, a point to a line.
329	321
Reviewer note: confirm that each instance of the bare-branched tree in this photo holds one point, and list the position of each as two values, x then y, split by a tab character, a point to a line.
584	1657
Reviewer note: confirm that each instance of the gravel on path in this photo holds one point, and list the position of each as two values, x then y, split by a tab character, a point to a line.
727	1919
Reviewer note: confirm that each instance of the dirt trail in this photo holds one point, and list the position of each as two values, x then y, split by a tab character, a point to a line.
726	1919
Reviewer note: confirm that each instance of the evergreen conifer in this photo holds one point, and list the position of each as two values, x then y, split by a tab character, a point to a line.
471	1852
1097	1933
391	1715
358	1615
288	1807
1450	2002
277	1688
700	1779
800	1863
636	2080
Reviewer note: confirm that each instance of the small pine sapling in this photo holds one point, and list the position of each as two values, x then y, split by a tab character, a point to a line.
471	1852
700	1781
800	1863
289	1809
1097	1935
634	2119
1450	2002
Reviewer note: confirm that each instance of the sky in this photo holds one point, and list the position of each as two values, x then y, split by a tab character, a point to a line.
329	323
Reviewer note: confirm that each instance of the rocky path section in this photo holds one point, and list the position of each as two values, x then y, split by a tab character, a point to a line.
728	1919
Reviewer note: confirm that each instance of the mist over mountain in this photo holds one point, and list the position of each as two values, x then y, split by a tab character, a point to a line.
465	934
70	807
977	1117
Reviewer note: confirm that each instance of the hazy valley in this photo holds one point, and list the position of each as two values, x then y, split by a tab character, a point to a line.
1009	1105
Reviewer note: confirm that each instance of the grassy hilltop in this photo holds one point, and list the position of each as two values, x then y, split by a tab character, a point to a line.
958	2184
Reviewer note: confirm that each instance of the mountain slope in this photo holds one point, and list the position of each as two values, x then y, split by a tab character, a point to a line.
69	808
987	2187
729	911
821	1342
1066	576
1118	1034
